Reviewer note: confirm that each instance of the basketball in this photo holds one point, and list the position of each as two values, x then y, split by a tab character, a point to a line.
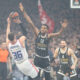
14	14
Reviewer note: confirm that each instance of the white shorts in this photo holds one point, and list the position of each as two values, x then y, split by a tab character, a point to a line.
28	69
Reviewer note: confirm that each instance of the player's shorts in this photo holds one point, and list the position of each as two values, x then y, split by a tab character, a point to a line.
27	68
66	69
42	63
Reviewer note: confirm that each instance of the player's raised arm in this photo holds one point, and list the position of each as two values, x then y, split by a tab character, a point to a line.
8	29
17	20
28	19
64	25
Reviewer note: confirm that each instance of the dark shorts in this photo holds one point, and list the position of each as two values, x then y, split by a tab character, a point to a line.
41	62
66	69
60	77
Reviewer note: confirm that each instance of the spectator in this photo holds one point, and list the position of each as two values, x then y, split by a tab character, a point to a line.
4	58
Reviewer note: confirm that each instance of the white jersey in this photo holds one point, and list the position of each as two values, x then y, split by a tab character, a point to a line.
18	52
20	57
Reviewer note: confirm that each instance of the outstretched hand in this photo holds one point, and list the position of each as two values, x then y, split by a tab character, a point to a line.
14	17
21	7
64	23
8	20
25	13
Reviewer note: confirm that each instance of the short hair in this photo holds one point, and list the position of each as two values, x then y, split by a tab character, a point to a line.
11	36
46	26
63	41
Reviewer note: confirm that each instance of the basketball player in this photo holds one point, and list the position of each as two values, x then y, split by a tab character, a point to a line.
41	43
67	59
19	54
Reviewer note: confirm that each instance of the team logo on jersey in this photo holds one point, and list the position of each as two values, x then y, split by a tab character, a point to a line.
42	41
75	4
62	56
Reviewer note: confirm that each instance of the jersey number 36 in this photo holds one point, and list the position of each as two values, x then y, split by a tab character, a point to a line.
17	55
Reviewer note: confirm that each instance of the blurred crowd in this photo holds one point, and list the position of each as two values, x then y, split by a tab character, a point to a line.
71	34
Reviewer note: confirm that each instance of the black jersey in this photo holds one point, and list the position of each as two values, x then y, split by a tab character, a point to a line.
65	59
41	47
65	62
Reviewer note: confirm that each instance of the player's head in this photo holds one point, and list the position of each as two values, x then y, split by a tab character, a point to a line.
3	45
63	44
44	28
11	36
